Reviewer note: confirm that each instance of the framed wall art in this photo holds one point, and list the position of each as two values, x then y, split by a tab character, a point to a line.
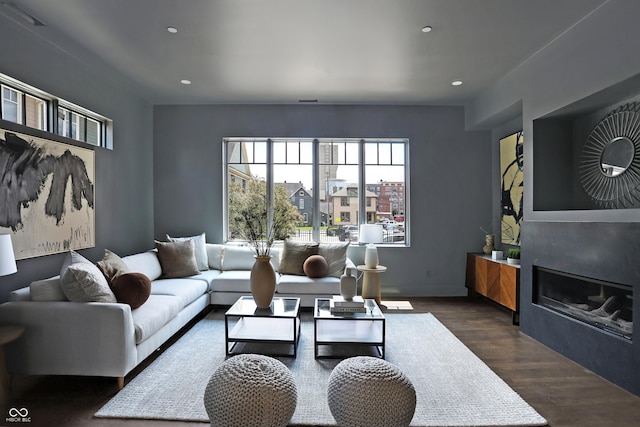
46	194
511	181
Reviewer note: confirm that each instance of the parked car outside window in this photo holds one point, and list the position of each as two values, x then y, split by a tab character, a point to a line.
352	233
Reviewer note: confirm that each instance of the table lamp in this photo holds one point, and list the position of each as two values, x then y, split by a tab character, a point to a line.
370	234
7	257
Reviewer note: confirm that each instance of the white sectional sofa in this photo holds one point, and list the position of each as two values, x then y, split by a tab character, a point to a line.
110	338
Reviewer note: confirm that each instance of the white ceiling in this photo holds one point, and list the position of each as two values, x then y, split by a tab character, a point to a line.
282	51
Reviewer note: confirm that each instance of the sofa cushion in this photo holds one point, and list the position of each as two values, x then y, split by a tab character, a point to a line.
178	259
131	288
336	256
186	289
47	290
294	254
146	263
206	276
151	316
315	266
82	281
238	258
214	255
112	266
200	249
232	281
293	284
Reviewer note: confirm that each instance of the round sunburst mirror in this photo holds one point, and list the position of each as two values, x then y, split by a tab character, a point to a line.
610	161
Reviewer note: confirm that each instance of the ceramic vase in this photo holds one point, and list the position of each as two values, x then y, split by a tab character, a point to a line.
348	285
488	244
263	281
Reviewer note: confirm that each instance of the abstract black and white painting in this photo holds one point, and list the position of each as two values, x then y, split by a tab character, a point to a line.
46	195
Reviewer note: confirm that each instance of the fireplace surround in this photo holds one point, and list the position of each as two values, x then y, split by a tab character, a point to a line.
603	254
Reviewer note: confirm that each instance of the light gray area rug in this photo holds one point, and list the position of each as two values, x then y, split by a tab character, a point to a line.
453	386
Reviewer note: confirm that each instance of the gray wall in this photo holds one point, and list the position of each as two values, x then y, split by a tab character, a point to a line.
450	176
124	176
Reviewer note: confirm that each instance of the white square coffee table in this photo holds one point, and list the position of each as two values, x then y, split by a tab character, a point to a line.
280	323
341	329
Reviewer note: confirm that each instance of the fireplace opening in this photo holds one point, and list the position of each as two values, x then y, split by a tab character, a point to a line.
605	305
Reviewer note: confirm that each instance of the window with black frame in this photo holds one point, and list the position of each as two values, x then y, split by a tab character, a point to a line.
350	182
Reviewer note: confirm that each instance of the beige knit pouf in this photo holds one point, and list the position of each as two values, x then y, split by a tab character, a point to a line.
370	392
251	390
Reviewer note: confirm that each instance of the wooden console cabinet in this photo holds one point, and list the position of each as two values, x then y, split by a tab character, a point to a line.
496	280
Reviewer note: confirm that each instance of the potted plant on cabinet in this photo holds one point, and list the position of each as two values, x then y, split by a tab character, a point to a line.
513	256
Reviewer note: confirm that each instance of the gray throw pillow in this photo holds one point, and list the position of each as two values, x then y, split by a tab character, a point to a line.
112	266
336	256
177	259
200	248
82	281
294	254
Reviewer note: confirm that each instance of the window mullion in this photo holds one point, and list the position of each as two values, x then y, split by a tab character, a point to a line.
362	199
23	108
270	184
315	226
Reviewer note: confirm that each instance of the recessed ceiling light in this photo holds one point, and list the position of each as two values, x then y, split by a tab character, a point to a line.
185	82
456	82
172	30
427	29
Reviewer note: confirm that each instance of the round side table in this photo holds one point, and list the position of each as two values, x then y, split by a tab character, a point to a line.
7	334
371	281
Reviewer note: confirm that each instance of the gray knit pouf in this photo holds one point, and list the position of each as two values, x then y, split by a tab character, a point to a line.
251	390
370	392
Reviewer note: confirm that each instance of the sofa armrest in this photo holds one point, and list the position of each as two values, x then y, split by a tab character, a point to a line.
70	338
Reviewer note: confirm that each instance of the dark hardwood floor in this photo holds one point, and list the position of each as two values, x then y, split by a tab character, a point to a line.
566	394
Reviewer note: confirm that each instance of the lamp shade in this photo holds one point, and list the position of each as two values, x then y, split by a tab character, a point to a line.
370	233
7	257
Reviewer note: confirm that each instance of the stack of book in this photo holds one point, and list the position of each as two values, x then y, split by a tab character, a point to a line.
340	305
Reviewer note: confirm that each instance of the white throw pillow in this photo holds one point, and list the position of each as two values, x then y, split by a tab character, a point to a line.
238	258
214	253
82	281
200	249
47	290
146	263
